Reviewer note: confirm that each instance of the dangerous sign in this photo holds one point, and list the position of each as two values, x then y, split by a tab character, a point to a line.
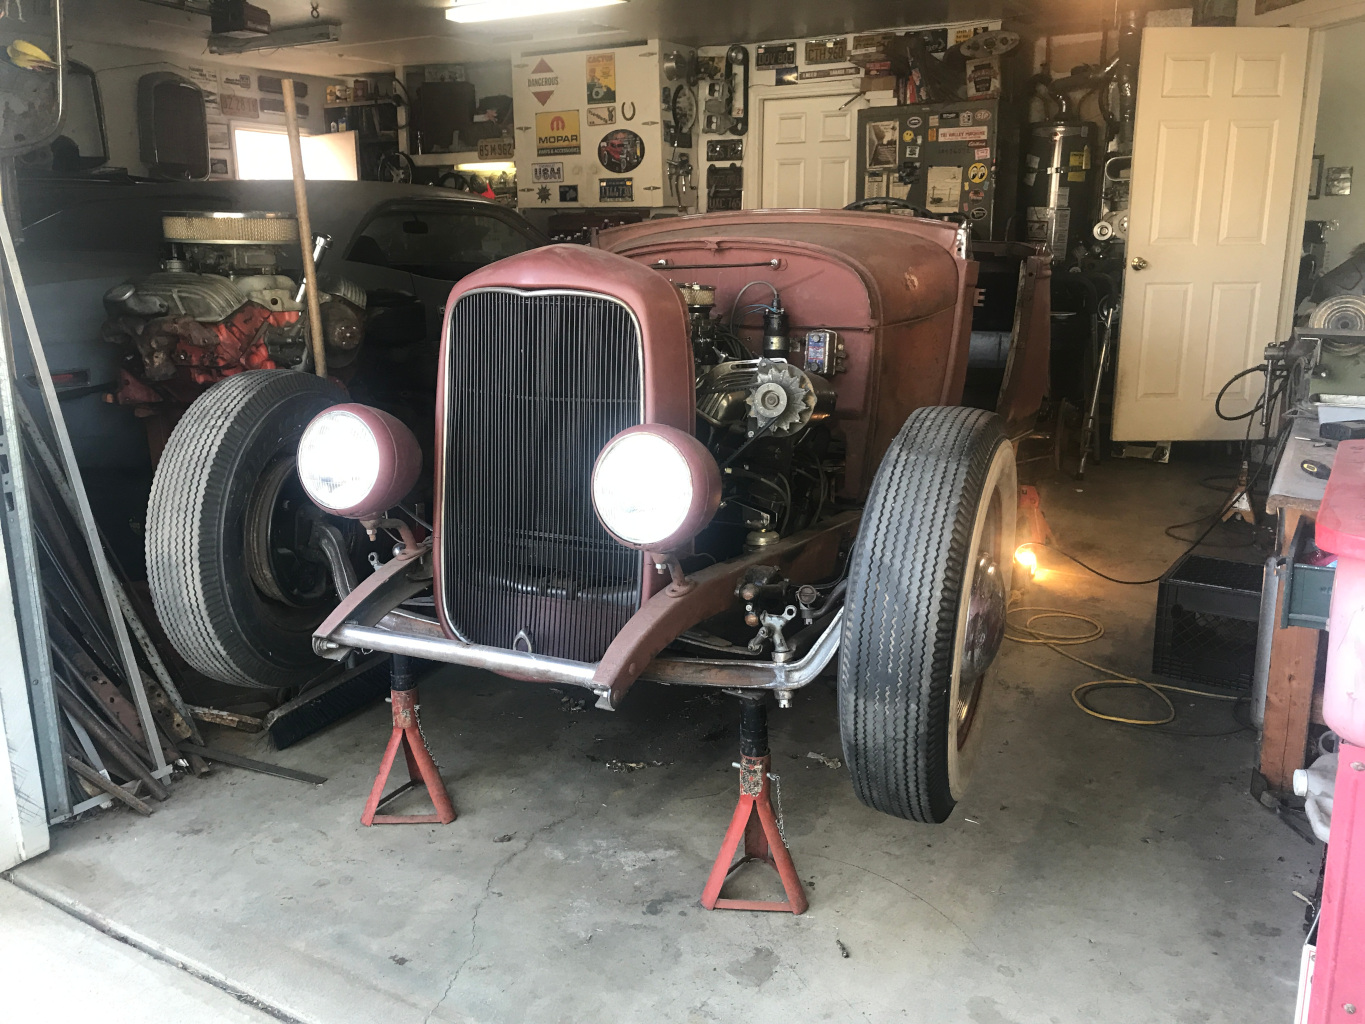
542	82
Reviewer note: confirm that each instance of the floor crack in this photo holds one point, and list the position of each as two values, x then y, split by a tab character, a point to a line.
956	927
487	890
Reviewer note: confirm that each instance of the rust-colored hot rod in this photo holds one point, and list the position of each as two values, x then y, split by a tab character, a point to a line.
719	450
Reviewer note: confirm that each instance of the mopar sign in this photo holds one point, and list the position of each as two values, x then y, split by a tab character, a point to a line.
557	133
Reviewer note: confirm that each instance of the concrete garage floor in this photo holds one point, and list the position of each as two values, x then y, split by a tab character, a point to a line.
1095	872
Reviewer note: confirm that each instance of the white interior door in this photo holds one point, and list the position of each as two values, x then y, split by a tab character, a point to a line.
808	154
1214	154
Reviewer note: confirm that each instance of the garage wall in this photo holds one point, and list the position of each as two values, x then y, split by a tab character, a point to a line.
764	82
118	69
1341	138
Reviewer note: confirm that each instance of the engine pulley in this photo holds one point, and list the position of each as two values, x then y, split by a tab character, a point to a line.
783	399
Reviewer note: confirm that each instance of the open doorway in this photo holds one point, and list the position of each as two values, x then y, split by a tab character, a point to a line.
1333	260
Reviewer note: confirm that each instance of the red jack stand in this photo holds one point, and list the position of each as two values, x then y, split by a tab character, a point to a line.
754	821
421	768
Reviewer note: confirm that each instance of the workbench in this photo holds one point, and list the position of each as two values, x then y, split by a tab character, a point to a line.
1294	662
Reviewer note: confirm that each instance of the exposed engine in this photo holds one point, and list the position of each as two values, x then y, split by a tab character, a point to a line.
767	420
221	304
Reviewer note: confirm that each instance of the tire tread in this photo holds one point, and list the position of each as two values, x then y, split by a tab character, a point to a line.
900	615
183	533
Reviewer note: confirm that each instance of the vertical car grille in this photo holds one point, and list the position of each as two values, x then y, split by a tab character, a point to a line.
537	383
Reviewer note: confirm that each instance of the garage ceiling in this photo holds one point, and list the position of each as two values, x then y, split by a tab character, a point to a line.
378	36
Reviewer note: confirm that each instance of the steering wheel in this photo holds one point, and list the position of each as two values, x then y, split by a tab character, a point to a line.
892	203
396	167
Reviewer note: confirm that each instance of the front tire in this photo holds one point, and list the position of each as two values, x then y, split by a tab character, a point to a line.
924	612
234	586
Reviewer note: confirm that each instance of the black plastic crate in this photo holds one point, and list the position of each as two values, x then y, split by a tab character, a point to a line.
1207	611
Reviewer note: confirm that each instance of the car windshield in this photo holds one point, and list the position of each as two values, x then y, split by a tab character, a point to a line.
444	244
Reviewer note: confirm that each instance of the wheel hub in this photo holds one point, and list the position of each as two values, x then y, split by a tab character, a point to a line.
279	523
985	619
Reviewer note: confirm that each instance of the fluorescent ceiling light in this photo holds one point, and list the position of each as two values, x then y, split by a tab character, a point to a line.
467	11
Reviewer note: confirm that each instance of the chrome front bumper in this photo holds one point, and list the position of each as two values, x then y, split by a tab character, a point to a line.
418	637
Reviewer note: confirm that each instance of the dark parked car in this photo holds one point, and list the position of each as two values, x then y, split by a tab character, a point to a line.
711	450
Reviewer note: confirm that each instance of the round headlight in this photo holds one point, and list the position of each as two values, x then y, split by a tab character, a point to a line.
655	487
357	462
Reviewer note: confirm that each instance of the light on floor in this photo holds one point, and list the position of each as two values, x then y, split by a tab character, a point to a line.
1026	559
467	11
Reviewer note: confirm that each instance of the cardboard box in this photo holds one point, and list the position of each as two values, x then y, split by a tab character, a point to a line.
877	83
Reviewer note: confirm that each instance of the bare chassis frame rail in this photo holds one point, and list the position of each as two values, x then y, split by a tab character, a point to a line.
370	618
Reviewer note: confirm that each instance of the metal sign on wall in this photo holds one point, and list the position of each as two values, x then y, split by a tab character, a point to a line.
497	149
776	55
826	51
557	133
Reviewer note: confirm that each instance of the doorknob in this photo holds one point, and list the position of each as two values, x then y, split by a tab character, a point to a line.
1138	263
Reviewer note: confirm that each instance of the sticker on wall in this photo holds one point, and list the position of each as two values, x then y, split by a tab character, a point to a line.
973	134
942	189
978	213
242	81
911	152
616	190
914	122
977	194
933	134
977	173
881	144
601	78
543	194
219	137
786	76
542	82
627	111
568	193
981	116
542	174
557	133
982	153
621	151
599	116
966	117
218	167
822	73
